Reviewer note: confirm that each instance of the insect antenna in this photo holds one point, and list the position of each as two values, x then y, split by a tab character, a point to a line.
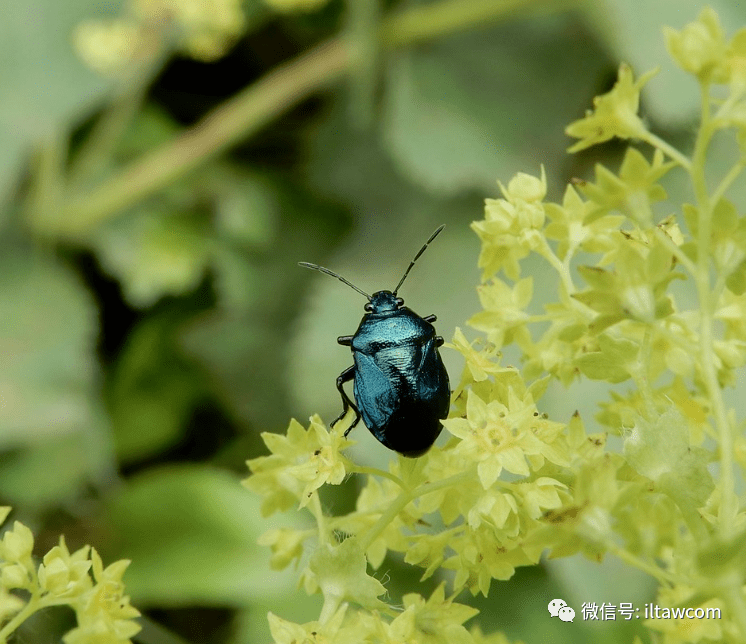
416	257
316	267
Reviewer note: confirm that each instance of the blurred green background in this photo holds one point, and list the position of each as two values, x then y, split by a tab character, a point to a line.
153	319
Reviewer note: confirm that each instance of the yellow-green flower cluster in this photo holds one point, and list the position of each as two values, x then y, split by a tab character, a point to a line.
436	620
509	230
700	48
301	462
201	29
511	484
77	579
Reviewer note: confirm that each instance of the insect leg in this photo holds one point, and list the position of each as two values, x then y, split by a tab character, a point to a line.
438	338
347	375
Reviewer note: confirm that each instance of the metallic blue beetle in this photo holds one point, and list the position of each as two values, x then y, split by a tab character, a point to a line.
401	385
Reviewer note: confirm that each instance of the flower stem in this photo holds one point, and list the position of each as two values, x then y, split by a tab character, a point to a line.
668	149
374	471
708	304
29	609
727	180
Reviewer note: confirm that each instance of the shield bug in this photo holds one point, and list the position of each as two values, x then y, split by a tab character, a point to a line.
400	383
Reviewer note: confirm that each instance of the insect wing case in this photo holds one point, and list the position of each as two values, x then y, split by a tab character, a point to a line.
401	385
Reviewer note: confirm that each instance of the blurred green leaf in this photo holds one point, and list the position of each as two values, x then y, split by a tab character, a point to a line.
153	253
79	458
151	127
191	533
243	342
350	165
245	205
153	389
246	221
471	108
47	339
45	85
246	356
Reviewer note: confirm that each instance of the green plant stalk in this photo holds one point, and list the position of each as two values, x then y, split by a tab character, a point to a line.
253	108
562	268
660	575
363	20
734	597
668	149
318	514
708	301
237	118
96	151
33	605
428	21
728	180
47	188
405	498
374	471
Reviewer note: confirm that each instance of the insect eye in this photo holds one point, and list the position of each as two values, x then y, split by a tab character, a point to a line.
399	301
368	307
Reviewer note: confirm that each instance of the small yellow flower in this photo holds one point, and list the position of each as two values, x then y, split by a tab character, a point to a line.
480	363
438	619
503	310
15	576
700	48
526	187
614	113
498	437
17	544
511	226
330	632
301	462
325	464
206	28
64	574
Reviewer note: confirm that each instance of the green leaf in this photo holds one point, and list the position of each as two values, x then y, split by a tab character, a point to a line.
661	451
191	533
153	389
244	341
460	113
736	281
153	253
610	363
341	572
46	86
47	340
246	206
151	127
28	482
